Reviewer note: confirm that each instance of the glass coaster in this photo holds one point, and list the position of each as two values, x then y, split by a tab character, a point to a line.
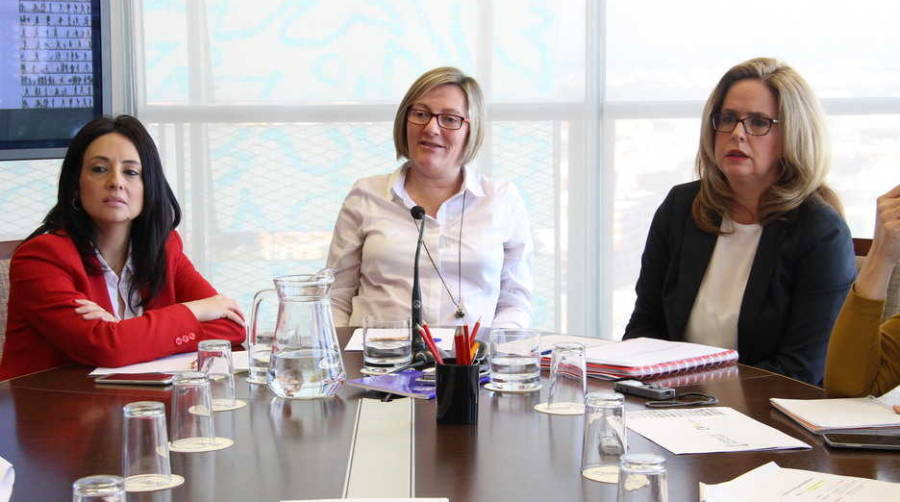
492	387
376	370
198	445
227	404
152	482
560	408
603	474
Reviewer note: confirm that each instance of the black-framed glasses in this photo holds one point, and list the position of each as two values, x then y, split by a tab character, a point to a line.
451	121
754	125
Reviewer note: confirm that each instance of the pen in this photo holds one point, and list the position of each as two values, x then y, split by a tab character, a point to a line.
475	331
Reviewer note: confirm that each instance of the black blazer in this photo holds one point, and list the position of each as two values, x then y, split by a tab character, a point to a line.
803	268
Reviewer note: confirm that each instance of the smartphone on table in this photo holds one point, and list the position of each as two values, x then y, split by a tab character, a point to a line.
136	378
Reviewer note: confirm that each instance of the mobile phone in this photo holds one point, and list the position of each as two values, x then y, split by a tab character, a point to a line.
136	378
642	389
874	441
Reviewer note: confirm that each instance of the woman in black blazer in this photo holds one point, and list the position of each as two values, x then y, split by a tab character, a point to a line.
755	255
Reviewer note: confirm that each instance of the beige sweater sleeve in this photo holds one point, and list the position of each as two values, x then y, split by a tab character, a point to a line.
863	354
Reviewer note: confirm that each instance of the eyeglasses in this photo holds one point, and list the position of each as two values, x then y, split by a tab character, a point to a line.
445	120
753	125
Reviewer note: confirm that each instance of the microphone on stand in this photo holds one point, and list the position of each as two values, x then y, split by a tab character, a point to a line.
418	345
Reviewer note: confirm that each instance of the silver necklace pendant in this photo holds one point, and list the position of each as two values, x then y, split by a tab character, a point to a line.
460	313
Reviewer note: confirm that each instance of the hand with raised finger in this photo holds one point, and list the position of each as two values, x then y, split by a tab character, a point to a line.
216	307
90	310
875	274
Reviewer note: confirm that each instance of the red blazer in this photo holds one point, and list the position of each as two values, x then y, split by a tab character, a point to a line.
43	331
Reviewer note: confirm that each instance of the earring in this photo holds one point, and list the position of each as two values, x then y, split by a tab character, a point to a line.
76	204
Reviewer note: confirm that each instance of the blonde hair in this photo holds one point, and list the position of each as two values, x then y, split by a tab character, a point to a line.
474	103
805	157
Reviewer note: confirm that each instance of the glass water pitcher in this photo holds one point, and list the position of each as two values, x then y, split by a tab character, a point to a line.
305	360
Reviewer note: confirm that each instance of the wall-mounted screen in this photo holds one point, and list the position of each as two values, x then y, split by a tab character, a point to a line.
51	74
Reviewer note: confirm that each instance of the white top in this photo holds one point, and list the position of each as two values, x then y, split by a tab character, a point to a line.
714	317
118	287
374	244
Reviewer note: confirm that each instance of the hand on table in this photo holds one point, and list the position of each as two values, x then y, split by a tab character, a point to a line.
216	307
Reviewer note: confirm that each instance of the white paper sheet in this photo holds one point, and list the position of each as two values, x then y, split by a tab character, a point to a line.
771	483
707	430
638	352
7	478
547	341
443	338
173	364
842	413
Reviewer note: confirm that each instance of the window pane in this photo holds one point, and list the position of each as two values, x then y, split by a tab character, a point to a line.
29	191
866	164
652	156
165	51
842	49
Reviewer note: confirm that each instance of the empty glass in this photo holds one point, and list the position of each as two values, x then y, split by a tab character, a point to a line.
214	359
100	488
192	422
642	478
515	360
145	459
386	344
567	381
605	436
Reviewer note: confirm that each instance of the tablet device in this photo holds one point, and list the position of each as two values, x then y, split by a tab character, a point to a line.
874	441
136	378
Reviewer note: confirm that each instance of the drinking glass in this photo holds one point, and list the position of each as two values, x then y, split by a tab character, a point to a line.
100	488
192	423
214	360
642	478
386	344
515	360
145	459
567	381
605	436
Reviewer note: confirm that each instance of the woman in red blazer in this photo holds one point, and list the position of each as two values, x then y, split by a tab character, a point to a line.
104	281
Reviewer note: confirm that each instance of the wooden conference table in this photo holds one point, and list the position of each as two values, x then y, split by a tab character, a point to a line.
57	426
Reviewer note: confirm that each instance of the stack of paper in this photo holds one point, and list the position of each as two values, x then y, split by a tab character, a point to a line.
173	364
771	483
708	430
844	414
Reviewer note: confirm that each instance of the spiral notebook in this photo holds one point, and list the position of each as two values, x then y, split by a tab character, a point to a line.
644	358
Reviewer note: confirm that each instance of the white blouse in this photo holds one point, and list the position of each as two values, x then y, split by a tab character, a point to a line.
717	308
117	286
374	244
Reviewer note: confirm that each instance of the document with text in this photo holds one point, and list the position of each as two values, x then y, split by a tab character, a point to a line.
708	430
771	483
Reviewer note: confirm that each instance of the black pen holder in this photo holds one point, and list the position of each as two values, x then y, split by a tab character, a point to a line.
457	393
